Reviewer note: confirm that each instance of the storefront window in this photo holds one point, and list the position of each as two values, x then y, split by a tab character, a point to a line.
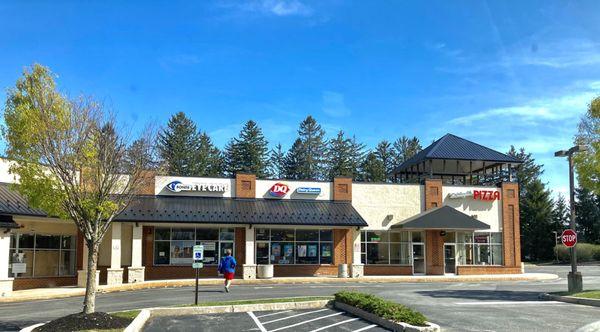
41	255
293	246
487	248
385	247
174	246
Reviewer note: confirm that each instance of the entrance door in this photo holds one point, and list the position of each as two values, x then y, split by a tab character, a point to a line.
418	258
450	258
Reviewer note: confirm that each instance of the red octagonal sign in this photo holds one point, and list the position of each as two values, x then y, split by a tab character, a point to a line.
569	238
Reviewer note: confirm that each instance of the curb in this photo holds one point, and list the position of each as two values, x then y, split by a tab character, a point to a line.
31	327
571	299
138	323
388	324
287	281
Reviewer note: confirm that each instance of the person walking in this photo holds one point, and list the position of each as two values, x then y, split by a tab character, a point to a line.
227	268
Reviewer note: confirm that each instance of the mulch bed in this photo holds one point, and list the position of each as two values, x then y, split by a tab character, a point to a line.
81	321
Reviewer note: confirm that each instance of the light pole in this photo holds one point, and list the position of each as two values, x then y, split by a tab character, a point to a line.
575	281
555	245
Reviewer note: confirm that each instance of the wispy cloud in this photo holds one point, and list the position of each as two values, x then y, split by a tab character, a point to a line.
564	53
334	104
272	7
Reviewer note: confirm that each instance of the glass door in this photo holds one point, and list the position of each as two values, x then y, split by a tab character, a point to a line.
418	257
450	258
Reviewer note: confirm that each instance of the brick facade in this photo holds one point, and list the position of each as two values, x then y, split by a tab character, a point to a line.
482	269
29	283
511	228
388	270
434	242
245	185
342	189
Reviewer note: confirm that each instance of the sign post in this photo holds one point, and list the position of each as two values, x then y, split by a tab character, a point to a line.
197	265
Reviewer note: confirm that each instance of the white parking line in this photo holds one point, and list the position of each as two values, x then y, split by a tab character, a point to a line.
306	321
272	314
302	314
260	326
365	328
509	302
335	324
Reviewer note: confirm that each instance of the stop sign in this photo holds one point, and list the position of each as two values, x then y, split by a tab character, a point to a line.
569	238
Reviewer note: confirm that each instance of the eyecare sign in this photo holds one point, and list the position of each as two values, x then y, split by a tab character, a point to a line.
178	186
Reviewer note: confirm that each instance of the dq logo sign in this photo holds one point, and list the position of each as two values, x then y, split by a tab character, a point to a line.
279	190
486	195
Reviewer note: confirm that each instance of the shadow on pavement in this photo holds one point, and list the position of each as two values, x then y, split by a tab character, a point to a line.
483	295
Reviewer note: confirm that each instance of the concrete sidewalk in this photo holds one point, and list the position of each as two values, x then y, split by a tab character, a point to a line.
61	292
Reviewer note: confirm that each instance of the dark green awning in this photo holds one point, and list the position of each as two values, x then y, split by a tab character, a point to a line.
444	217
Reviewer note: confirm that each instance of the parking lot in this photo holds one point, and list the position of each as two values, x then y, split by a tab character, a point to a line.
323	319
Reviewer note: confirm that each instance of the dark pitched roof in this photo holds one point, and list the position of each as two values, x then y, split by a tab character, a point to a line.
241	211
12	203
456	148
444	217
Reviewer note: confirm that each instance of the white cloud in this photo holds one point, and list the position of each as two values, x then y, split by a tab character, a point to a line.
558	54
273	7
334	104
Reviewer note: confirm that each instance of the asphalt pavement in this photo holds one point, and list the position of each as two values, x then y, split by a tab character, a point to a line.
489	306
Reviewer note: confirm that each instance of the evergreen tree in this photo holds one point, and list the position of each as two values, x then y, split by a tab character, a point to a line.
209	160
561	214
385	153
141	148
373	168
537	224
312	165
528	171
277	163
587	215
340	157
248	152
357	156
177	145
293	160
405	148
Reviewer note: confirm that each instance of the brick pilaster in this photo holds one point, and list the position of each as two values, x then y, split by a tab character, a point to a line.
245	185
511	231
342	189
434	243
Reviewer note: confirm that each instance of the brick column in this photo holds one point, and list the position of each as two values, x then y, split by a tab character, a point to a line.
511	229
342	189
434	243
240	249
135	273
245	185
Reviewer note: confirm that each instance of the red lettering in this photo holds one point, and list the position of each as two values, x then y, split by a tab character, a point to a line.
476	194
496	195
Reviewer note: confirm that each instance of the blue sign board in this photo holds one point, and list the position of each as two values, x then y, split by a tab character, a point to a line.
308	190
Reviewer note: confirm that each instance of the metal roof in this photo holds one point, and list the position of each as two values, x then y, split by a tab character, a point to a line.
11	202
444	217
452	147
241	211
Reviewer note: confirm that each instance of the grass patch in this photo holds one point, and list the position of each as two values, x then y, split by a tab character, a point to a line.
591	294
383	308
131	314
260	301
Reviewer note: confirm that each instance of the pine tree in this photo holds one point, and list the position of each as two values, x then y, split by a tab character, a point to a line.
587	215
209	160
293	160
141	148
373	169
277	163
312	165
248	152
561	214
385	153
405	148
528	171
340	157
177	145
537	222
357	156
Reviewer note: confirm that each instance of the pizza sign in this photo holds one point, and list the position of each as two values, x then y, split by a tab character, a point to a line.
486	195
279	190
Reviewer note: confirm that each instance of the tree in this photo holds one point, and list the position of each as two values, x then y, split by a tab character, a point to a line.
208	160
339	161
405	148
373	168
588	163
313	153
561	214
293	160
178	145
385	153
70	160
537	224
357	156
248	152
277	162
528	171
587	208
145	148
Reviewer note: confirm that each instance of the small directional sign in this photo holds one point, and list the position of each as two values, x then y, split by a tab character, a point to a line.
198	265
198	252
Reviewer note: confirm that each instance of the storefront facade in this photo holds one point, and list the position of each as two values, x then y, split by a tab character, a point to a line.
302	228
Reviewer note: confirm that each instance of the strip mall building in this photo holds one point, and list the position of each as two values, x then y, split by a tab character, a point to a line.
449	214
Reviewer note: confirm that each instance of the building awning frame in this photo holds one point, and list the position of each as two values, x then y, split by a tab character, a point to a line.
443	218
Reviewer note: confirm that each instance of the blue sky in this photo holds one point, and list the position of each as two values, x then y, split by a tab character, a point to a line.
496	72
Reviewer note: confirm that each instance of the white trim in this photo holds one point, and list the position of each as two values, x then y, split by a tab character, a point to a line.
307	321
255	319
298	315
365	328
336	324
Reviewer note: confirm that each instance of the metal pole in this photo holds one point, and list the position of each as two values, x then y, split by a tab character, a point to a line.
197	275
572	208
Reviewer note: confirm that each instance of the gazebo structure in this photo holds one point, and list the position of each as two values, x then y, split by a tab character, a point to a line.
456	160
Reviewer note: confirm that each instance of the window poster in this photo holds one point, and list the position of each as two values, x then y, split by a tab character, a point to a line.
288	250
312	250
276	249
326	250
302	250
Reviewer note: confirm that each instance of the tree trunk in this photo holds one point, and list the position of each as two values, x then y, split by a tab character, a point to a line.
89	302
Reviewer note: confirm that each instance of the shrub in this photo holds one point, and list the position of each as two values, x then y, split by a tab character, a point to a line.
585	252
383	308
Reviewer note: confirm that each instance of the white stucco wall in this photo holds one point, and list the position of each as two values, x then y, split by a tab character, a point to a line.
375	202
263	187
160	183
5	176
489	212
